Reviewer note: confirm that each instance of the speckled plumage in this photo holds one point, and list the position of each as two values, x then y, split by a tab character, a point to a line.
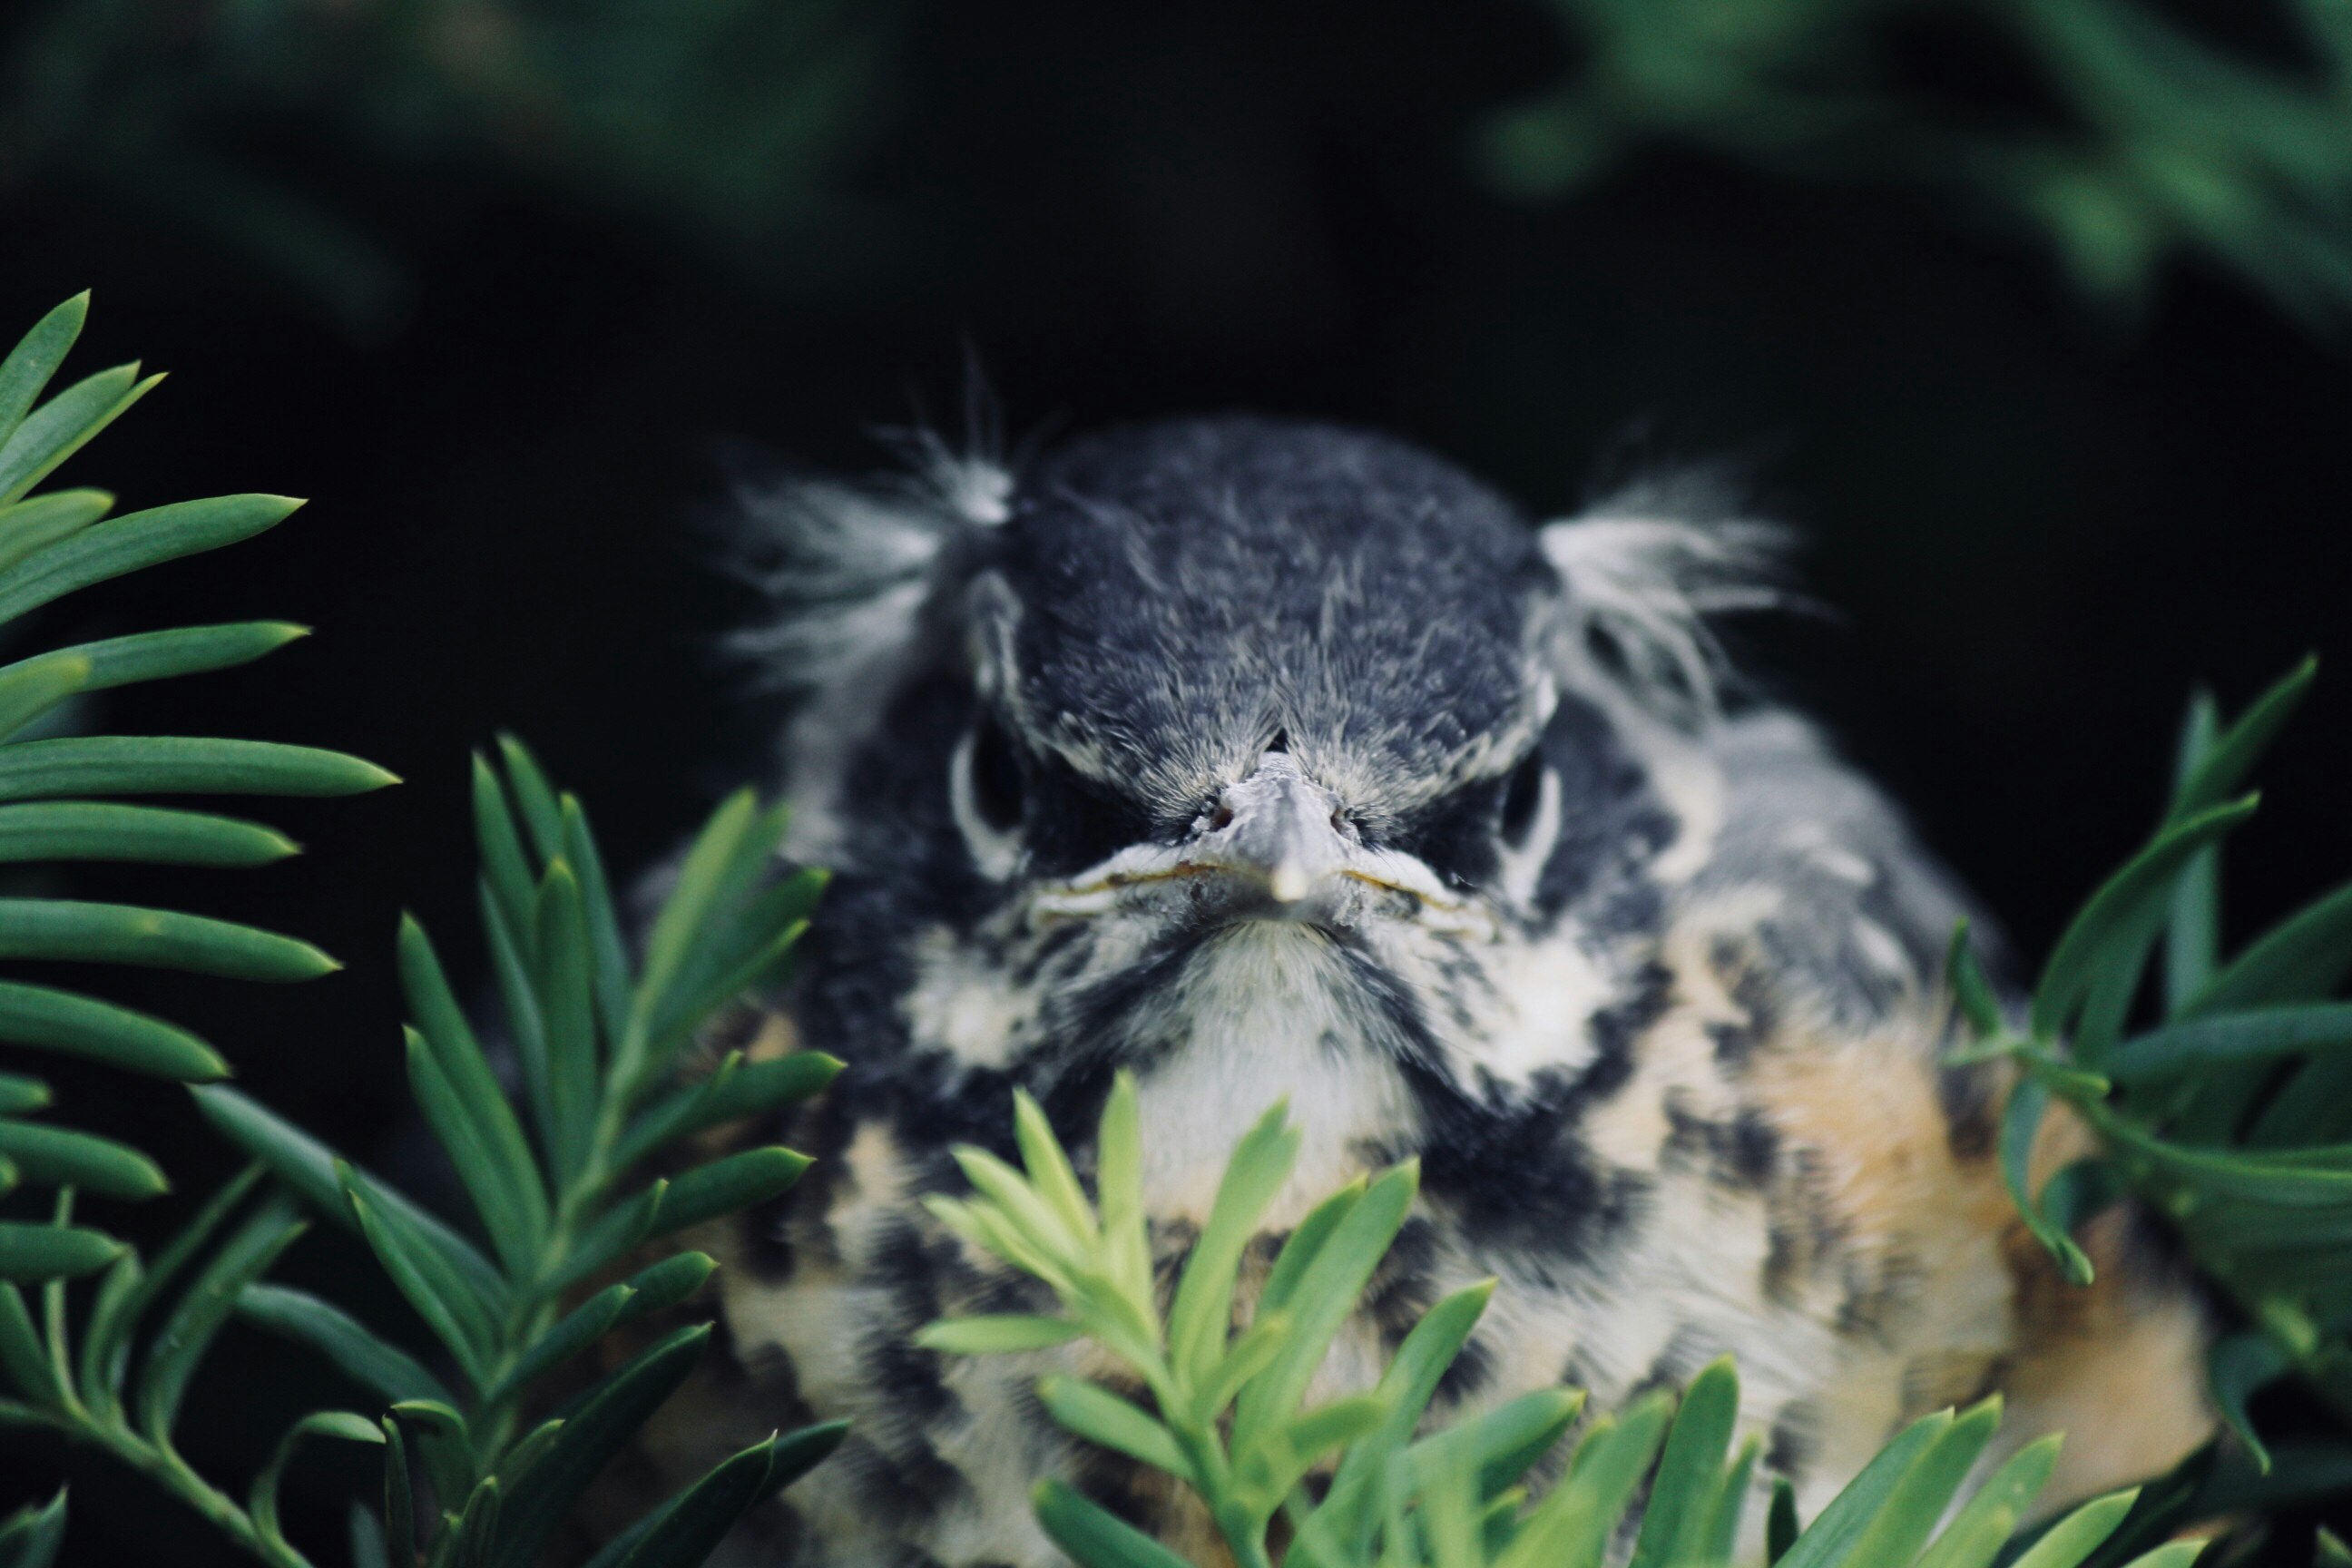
1267	759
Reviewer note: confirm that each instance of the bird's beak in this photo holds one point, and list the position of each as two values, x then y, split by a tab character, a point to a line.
1281	831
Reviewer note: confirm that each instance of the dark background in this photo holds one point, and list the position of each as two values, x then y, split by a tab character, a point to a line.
494	287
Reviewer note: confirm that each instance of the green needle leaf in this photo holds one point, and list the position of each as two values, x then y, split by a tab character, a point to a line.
2237	1367
101	1031
177	764
690	1528
567	1004
739	1090
602	1425
1093	1536
40	521
36	1252
59	1158
2078	1534
160	939
133	542
314	1172
996	1334
21	1355
32	1538
2118	908
1101	1416
726	1186
62	426
187	1332
1675	1525
82	830
455	1314
36	358
262	1501
19	1094
354	1350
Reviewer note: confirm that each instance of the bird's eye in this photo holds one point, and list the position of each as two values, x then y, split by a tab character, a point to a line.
1522	795
997	794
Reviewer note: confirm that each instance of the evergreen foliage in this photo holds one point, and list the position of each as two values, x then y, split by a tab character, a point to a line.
1227	1416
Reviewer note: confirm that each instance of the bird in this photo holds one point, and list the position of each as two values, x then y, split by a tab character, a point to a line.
1268	760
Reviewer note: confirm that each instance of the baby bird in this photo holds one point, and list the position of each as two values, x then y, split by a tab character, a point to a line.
1264	760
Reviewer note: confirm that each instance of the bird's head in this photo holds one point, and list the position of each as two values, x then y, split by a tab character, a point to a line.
1254	757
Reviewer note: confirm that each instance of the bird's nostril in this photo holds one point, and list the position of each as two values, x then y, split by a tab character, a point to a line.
1221	818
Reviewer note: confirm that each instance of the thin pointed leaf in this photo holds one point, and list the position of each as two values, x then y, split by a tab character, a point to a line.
162	655
611	968
1327	1293
567	1004
526	1028
2020	1119
1200	1317
457	1316
262	1501
726	1186
534	799
1006	1334
1101	1416
666	1284
1840	1526
187	1330
2233	755
40	521
713	864
133	542
131	1288
399	1498
178	765
21	1355
1576	1520
36	358
572	1334
1780	1529
19	1094
2146	881
739	1090
692	1528
1911	1511
1093	1536
1971	991
36	1252
2230	1038
600	1429
2237	1368
1412	1376
482	1100
443	1443
505	872
1676	1524
368	1547
30	690
354	1350
86	830
477	1526
494	1187
31	1538
2078	1534
2192	936
313	1172
62	426
57	1157
104	1032
73	930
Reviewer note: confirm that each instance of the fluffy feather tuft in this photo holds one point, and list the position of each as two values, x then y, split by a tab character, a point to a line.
1644	571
